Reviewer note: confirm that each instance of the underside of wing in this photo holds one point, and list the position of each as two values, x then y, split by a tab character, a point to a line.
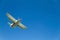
10	17
21	25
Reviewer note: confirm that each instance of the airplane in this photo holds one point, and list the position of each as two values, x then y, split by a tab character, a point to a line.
15	22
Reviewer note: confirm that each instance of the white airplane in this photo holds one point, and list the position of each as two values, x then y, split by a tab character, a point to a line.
15	22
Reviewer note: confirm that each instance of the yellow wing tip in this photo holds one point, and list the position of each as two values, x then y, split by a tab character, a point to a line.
7	14
24	28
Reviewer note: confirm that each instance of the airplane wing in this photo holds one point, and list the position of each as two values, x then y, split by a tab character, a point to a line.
10	17
21	25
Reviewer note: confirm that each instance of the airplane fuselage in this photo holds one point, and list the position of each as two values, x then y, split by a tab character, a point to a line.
15	23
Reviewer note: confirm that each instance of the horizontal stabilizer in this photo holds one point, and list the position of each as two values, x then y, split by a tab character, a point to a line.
9	24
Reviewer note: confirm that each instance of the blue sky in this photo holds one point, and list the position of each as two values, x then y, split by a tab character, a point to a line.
41	17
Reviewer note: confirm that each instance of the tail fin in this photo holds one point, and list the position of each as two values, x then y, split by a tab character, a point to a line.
9	24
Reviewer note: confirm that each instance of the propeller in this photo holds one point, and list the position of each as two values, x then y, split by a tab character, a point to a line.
19	19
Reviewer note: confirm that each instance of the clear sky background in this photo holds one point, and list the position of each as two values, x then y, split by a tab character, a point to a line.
41	17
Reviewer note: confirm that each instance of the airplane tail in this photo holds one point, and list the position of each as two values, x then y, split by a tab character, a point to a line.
9	24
